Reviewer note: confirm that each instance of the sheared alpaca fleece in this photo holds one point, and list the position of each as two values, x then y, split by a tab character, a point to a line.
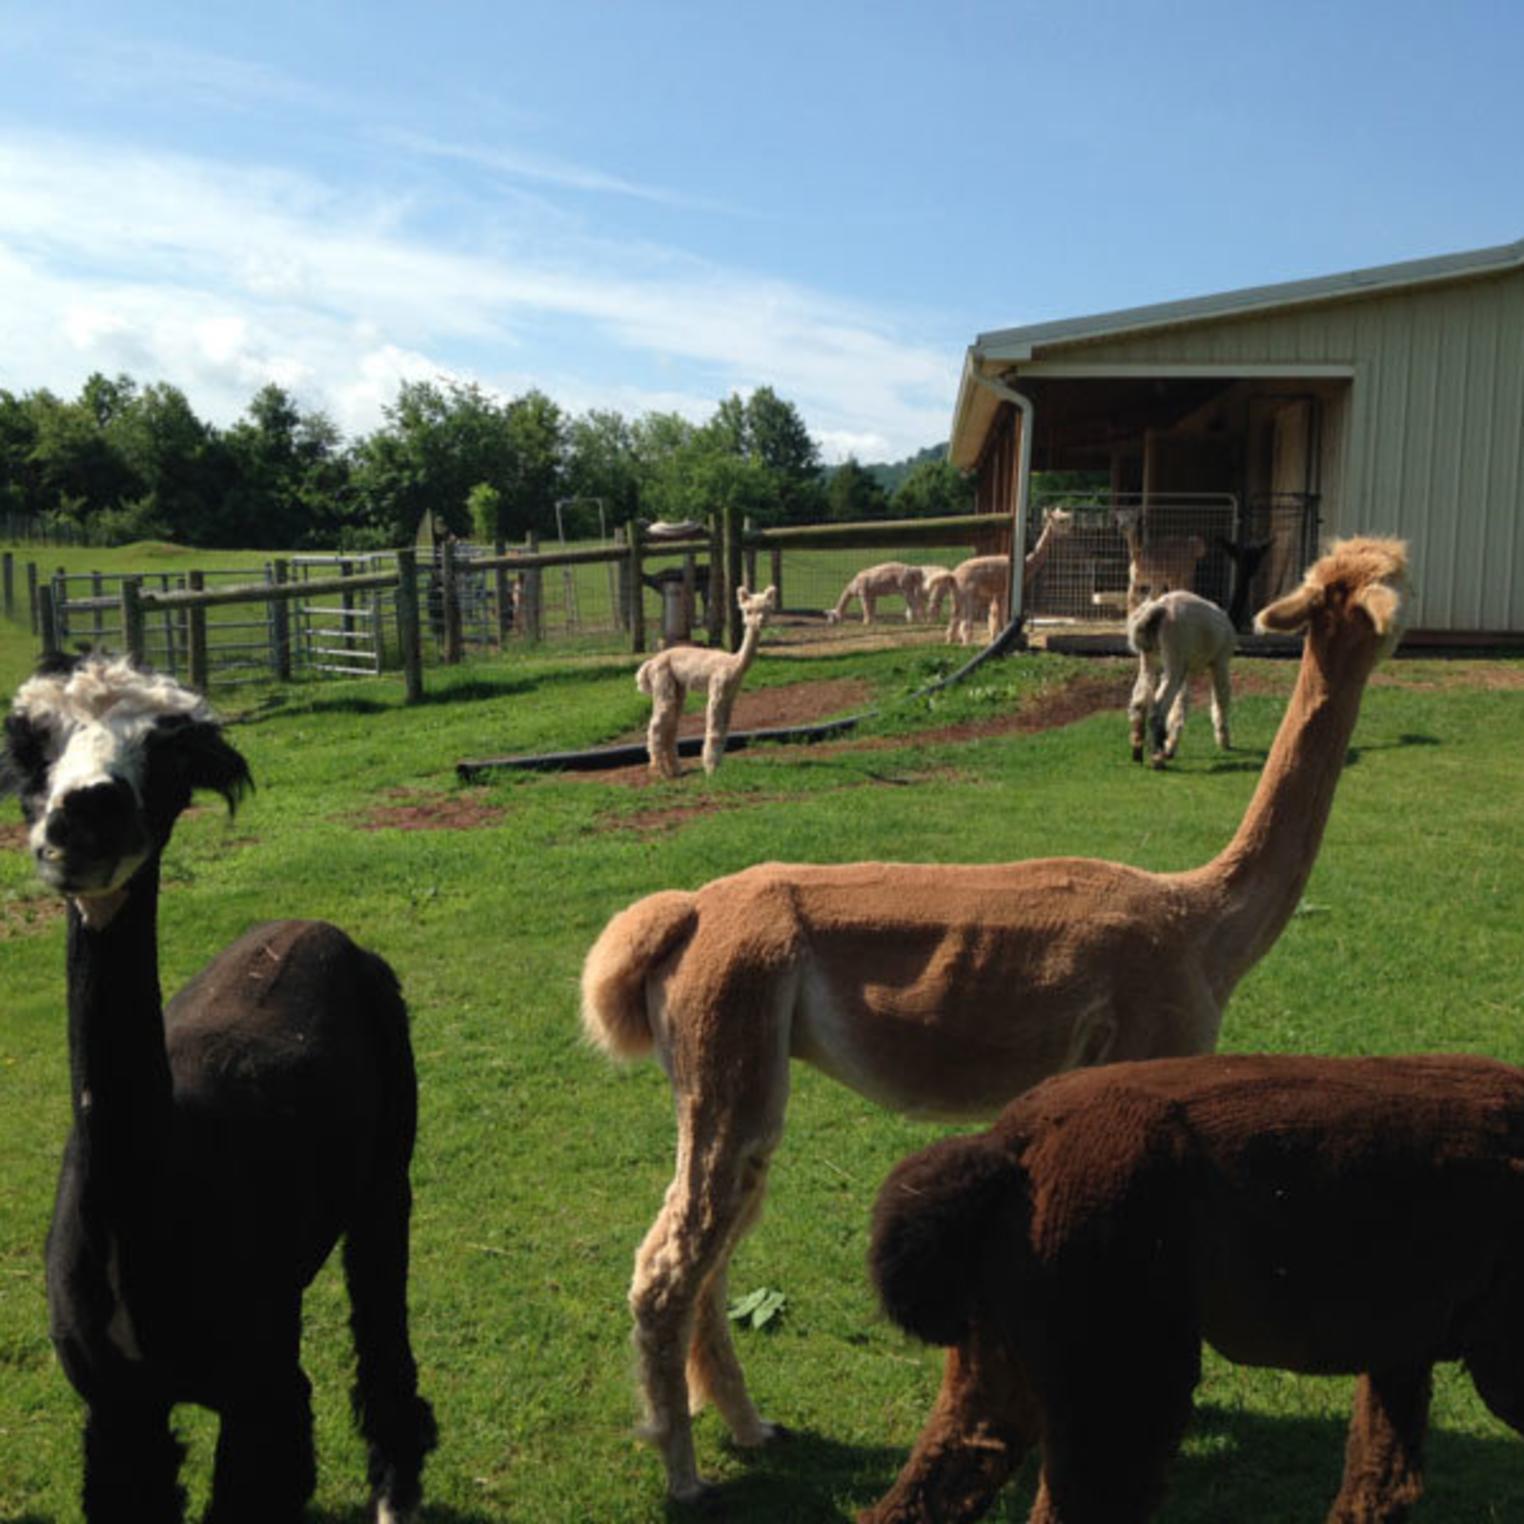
1308	1214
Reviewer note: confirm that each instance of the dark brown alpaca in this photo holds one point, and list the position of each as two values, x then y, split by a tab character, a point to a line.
1361	1215
220	1145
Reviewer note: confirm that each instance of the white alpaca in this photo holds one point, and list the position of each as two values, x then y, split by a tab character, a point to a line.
1159	566
669	675
1177	636
980	582
882	581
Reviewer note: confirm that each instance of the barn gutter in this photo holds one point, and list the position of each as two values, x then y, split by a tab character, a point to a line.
602	758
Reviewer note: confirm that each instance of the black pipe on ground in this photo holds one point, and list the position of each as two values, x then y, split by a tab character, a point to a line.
601	758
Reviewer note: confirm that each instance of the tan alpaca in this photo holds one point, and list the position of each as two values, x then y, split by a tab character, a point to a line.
669	675
1158	566
980	582
944	990
882	581
936	583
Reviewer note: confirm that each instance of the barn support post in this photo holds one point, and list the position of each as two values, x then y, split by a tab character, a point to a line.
409	630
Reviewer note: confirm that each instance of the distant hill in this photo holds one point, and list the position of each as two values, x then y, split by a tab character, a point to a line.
889	474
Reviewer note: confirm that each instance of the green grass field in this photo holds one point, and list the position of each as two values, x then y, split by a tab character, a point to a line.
539	1167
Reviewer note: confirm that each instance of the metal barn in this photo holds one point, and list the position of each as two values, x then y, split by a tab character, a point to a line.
1240	430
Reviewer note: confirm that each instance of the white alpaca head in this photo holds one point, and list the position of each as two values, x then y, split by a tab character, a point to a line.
755	607
104	757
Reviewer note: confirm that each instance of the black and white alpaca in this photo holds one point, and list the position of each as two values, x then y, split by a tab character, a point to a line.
221	1146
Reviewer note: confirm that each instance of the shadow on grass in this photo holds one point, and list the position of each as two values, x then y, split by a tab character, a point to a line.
1254	761
1256	1468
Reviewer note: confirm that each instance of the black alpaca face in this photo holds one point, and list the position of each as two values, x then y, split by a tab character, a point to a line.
104	758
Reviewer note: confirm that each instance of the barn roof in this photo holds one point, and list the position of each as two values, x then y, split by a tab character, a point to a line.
992	352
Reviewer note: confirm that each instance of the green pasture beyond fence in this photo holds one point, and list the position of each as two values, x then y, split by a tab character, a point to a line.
244	617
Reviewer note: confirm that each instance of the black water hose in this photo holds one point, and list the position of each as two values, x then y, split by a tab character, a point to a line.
632	754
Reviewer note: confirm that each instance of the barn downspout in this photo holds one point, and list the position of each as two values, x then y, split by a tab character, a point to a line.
1023	485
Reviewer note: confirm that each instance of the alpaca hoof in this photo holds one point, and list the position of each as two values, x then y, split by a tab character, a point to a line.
1158	760
1137	754
766	1433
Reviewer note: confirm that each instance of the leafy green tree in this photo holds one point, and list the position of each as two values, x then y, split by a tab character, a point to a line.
535	431
485	503
853	493
933	489
602	464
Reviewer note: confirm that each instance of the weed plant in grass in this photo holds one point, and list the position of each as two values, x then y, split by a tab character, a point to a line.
539	1166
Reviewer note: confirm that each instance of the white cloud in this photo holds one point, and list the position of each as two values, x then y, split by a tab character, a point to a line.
220	279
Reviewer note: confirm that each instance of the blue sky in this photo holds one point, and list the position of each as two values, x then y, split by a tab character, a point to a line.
650	205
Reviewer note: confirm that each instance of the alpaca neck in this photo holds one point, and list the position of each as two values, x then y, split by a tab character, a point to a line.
747	649
118	1067
1254	885
1039	552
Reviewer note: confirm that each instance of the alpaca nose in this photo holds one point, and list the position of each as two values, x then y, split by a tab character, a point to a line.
100	820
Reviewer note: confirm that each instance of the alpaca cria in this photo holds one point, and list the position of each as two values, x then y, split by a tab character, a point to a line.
980	582
944	990
1324	1215
882	581
220	1146
668	676
1156	566
1175	637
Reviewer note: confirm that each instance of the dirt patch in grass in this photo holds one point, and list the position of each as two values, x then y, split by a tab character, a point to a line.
411	810
24	918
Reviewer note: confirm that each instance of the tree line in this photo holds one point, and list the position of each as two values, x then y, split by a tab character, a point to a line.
125	461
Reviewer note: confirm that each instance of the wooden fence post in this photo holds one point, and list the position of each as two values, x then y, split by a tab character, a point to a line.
635	538
409	636
280	624
132	618
732	613
8	583
777	577
502	595
200	676
714	611
747	527
45	619
534	592
60	607
31	595
451	603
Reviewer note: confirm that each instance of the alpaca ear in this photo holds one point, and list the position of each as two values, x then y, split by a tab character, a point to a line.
742	594
195	755
770	598
1381	603
1289	614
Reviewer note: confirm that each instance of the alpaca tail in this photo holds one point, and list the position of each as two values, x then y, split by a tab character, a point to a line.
934	1218
643	678
614	1014
1144	625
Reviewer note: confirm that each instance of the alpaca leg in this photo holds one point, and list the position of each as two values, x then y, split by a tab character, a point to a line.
717	724
1139	706
661	738
868	601
1222	700
1383	1458
1498	1376
397	1424
132	1463
1170	688
265	1468
729	1122
984	1422
1177	713
714	1370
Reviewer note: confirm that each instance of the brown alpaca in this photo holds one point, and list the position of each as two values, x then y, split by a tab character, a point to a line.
944	990
1326	1215
669	675
980	582
1159	565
